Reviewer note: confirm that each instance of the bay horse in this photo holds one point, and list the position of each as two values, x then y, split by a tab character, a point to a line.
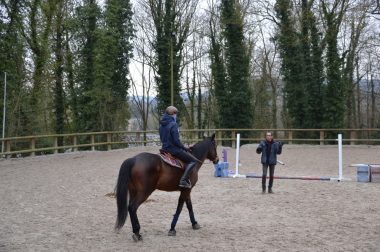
140	175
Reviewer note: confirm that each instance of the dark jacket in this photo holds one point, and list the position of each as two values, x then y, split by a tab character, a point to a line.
169	135
269	152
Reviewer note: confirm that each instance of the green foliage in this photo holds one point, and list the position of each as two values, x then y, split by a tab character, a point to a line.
104	62
302	65
292	63
218	73
88	105
334	97
40	15
168	58
67	65
12	54
112	64
239	112
77	58
58	72
262	118
315	87
172	21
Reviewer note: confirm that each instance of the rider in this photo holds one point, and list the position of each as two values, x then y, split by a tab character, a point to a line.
169	135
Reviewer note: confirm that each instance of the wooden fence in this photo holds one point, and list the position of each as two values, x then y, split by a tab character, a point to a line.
49	144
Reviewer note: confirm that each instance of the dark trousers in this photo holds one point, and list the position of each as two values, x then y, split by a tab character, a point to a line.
271	173
186	157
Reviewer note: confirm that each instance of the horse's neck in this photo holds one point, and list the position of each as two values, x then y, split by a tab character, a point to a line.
199	153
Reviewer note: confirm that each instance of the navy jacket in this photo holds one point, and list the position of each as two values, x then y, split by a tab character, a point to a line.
269	152
169	135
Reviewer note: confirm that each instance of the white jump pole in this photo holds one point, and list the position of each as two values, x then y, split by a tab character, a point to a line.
340	157
340	164
237	161
340	160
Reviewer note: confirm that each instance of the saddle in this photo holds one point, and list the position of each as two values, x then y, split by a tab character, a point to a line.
171	160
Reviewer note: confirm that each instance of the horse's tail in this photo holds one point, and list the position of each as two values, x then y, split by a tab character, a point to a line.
122	192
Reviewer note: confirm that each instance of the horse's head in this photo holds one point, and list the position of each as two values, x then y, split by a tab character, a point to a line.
206	149
212	154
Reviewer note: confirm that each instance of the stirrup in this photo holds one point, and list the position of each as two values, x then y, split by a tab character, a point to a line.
185	183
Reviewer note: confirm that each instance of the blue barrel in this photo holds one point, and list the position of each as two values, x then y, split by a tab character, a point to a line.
217	171
221	169
362	173
224	169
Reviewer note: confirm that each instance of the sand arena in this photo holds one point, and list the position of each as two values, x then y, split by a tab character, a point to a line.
58	203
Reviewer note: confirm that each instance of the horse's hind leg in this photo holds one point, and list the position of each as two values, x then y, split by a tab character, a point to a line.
189	205
181	201
134	203
132	209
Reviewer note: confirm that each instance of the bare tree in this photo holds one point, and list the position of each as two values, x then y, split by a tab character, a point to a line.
142	90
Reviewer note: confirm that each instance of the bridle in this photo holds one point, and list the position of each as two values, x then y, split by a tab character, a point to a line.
216	159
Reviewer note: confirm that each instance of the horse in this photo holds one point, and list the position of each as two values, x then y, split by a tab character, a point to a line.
142	174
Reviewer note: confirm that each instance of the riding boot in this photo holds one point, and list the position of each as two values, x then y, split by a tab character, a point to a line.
185	182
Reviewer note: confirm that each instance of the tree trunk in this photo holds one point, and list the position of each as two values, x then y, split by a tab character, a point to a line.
59	93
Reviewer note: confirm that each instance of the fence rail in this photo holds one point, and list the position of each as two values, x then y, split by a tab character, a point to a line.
54	143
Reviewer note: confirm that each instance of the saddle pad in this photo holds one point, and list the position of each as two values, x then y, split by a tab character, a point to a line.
167	158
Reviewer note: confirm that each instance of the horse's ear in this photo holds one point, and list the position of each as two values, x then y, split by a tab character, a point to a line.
213	137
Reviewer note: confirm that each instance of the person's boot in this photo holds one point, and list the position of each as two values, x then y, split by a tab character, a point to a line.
184	181
270	185
263	188
263	183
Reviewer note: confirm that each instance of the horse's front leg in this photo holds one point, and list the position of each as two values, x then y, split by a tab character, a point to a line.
181	201
189	205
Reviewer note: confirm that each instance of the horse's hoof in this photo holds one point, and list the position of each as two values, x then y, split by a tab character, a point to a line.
196	226
172	233
137	237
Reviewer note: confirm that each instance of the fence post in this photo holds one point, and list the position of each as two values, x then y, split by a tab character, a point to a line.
352	137
138	138
219	142
7	147
109	139
75	143
92	142
233	139
32	147
55	145
321	137
290	137
368	136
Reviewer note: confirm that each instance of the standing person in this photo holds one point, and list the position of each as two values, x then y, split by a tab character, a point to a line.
169	135
269	150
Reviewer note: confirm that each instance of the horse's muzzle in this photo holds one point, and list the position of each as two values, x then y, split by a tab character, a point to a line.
216	160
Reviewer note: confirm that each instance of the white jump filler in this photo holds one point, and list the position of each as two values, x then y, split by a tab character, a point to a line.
237	161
